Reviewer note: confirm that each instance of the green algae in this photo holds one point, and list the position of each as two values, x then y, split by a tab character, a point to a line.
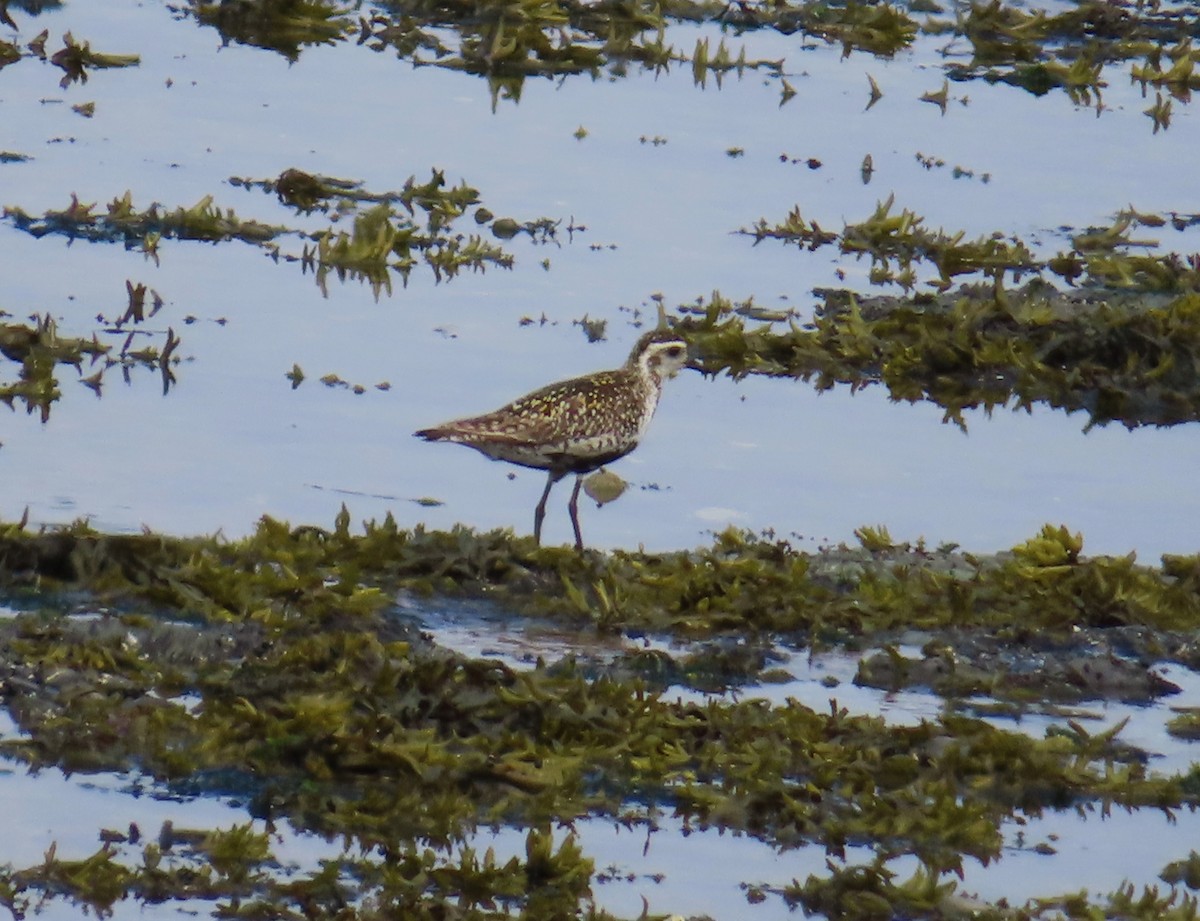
391	232
9	53
1073	50
307	697
283	27
308	192
1186	725
505	43
1177	73
1040	51
740	584
40	354
233	869
75	59
1186	871
1116	356
899	246
872	892
123	222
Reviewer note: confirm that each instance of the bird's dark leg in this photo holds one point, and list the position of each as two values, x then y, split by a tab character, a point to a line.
574	508
540	512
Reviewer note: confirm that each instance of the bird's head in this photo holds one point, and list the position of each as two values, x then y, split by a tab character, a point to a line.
660	354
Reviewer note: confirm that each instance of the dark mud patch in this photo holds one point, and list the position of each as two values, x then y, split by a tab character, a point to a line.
1092	666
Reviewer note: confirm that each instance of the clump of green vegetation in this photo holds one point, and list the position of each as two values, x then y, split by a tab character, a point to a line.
234	869
275	667
506	43
75	58
739	585
872	892
1186	871
308	192
1178	75
1121	344
1040	51
123	222
1035	50
1116	362
9	53
394	233
40	353
283	26
899	244
720	62
1185	726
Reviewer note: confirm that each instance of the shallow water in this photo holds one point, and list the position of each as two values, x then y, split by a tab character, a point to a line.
232	441
675	869
705	871
697	873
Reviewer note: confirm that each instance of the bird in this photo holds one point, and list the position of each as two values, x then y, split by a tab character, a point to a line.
577	425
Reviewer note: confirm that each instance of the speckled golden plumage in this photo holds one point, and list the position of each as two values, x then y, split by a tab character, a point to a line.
577	425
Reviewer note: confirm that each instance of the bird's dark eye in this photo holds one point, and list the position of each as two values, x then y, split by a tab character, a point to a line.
675	351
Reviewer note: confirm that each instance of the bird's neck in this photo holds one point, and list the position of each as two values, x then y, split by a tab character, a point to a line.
649	379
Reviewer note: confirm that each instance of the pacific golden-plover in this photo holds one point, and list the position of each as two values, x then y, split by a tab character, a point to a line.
575	426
